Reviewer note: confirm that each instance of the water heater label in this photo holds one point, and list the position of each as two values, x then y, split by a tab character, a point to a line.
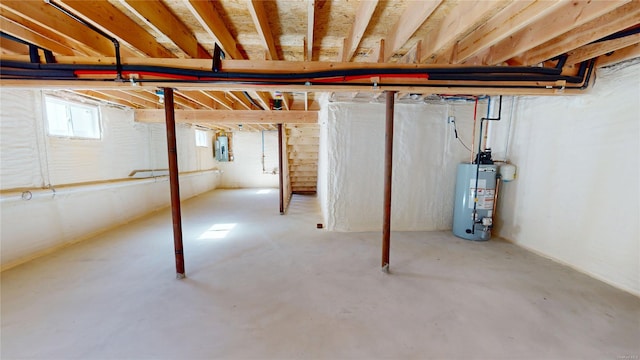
485	196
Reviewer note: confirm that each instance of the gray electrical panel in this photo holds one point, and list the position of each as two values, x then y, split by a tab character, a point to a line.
222	148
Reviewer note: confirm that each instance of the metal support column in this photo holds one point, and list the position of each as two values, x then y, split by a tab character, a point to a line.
173	180
281	169
388	162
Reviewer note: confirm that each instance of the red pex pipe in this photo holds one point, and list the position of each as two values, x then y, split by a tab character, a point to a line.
148	73
334	79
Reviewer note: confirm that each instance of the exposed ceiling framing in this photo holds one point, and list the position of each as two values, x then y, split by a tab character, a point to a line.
284	36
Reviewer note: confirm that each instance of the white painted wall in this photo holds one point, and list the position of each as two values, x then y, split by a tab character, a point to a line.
245	171
32	160
577	195
424	162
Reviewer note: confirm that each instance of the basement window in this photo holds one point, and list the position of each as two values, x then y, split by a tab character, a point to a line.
69	119
201	138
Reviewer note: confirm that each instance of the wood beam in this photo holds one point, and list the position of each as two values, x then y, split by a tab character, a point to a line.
12	47
136	100
630	52
55	21
264	98
220	98
413	55
591	51
311	19
364	13
287	100
96	95
204	11
461	20
380	52
199	98
512	18
231	117
617	20
29	35
566	18
239	97
109	19
155	14
261	21
412	18
149	96
184	101
76	47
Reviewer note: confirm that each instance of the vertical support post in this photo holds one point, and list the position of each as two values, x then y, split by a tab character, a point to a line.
172	148
388	162
281	169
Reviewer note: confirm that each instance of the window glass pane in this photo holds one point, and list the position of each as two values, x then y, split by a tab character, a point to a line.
85	122
57	118
201	138
74	120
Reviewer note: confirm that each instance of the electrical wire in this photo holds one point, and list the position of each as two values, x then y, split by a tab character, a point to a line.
455	132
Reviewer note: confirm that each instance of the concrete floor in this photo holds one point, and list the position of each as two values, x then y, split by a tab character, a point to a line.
276	287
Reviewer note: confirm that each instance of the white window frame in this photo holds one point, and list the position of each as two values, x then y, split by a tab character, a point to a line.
72	127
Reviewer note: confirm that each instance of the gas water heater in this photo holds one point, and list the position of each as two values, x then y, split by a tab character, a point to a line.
474	199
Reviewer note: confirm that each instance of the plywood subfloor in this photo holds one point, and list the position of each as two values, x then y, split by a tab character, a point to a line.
276	287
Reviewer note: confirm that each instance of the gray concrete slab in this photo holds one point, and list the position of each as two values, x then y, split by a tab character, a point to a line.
274	286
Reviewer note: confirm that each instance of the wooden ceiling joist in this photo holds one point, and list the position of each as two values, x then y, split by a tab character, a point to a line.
287	100
126	96
617	20
594	50
109	19
514	17
263	98
204	11
630	52
32	37
413	16
55	21
311	19
230	117
567	17
97	95
363	17
182	100
13	47
261	21
220	98
241	99
461	20
155	14
199	98
413	55
76	47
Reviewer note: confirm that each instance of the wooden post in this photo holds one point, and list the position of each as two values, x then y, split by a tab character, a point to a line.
173	180
388	162
281	169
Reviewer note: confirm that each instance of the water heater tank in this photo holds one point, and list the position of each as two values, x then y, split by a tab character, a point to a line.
466	224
